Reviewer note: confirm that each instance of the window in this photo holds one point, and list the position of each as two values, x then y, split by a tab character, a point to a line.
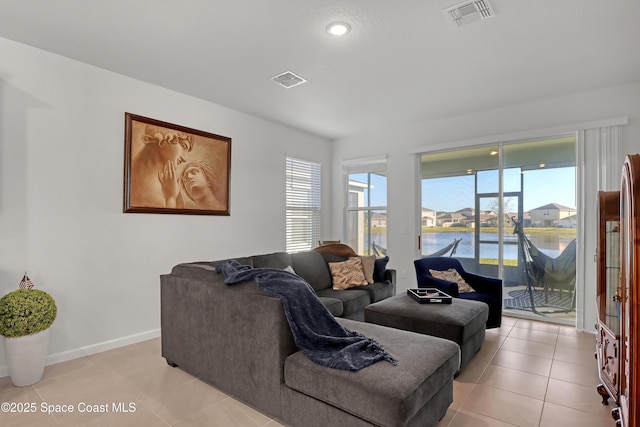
303	205
474	201
366	213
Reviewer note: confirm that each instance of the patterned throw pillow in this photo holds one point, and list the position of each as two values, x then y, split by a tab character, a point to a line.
368	263
452	275
347	274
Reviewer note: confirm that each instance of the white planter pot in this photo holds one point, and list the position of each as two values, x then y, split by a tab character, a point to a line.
26	357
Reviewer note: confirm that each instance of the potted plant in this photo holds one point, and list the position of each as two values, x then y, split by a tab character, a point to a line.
25	317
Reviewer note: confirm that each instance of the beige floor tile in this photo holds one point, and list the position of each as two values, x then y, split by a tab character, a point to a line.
504	406
534	335
128	360
501	386
571	330
136	415
477	365
529	347
576	396
577	356
516	381
508	321
574	373
155	383
494	339
502	330
461	390
181	402
73	388
581	341
37	419
75	366
523	362
227	413
11	393
556	415
448	417
470	419
152	346
537	326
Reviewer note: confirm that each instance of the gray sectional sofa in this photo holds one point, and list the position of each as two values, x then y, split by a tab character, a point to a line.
237	338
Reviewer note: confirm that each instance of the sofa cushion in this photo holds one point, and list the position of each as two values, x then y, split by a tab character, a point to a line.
334	305
379	291
347	274
312	267
368	264
275	260
382	394
353	300
380	266
452	275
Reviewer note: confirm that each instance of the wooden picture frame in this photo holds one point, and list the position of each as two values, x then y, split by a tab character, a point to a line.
172	169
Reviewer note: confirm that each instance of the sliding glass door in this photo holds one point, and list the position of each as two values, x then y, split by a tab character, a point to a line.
508	210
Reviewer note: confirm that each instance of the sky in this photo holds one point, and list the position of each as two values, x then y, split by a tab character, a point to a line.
541	187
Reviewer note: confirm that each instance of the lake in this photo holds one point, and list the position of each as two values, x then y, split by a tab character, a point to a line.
432	242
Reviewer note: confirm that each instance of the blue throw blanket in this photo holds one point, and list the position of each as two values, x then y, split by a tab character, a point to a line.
315	331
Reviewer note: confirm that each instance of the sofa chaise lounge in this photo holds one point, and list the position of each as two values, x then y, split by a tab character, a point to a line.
237	338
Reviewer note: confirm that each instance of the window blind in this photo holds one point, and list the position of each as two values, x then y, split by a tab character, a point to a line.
302	205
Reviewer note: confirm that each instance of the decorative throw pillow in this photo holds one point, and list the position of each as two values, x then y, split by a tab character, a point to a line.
379	267
452	275
368	264
347	274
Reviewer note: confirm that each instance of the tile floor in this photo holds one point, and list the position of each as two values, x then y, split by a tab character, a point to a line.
527	373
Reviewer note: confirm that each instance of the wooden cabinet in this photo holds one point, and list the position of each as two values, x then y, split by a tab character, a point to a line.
608	294
629	301
618	294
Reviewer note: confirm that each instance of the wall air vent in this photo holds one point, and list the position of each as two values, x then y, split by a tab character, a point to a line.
468	12
288	79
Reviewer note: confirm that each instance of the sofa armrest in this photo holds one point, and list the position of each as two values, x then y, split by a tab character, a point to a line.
390	274
484	284
234	337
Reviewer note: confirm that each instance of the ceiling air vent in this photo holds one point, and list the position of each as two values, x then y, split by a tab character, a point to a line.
468	12
288	79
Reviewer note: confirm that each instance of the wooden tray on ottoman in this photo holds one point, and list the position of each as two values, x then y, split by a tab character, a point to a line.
429	296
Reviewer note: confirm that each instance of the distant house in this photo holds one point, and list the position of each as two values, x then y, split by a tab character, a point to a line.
378	220
568	222
552	215
428	217
447	219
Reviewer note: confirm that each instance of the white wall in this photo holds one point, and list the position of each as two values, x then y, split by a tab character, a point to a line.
61	196
400	144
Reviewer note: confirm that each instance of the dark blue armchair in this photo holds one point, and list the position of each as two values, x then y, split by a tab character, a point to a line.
487	289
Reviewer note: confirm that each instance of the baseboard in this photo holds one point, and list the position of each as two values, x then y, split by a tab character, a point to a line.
92	349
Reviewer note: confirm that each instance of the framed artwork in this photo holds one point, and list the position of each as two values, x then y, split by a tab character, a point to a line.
171	169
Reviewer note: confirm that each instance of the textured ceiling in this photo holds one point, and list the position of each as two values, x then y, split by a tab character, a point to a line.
402	62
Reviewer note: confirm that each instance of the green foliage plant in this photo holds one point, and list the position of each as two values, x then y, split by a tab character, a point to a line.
25	312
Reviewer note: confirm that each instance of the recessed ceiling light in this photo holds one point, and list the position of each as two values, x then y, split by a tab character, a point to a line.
338	28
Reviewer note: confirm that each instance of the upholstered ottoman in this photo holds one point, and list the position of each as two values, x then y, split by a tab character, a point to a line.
462	321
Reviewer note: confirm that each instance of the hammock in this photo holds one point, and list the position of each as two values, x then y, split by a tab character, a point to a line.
453	246
544	271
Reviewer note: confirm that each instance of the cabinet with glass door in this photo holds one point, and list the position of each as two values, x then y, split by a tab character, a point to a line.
608	295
